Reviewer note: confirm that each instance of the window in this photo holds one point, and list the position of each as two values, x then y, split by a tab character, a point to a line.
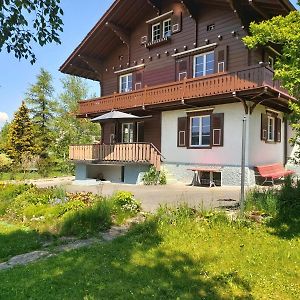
127	133
200	131
140	132
126	83
271	129
204	64
167	28
156	32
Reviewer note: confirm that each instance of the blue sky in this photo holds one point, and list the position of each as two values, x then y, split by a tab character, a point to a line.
16	76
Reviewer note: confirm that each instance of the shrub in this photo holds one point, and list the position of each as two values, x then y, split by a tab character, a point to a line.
153	177
125	202
88	220
5	163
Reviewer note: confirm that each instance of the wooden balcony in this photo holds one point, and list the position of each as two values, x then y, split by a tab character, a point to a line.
143	153
207	86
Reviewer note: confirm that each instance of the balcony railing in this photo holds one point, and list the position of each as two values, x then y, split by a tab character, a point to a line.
117	153
216	84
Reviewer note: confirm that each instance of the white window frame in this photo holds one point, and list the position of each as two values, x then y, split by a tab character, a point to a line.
200	131
204	55
182	75
123	127
271	129
221	66
127	89
153	30
169	26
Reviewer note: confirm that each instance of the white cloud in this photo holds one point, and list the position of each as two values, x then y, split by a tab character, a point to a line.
3	117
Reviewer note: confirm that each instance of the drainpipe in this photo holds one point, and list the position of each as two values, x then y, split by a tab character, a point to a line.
243	165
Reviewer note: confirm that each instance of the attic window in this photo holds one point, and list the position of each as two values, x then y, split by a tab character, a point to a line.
211	27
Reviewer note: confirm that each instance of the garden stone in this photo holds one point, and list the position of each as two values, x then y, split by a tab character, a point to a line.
27	258
114	232
76	245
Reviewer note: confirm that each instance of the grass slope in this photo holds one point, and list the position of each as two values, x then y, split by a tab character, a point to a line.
169	257
15	240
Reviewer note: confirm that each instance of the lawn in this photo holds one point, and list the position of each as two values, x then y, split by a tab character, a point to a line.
179	254
16	240
31	175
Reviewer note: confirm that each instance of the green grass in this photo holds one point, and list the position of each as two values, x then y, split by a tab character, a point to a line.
175	255
15	240
31	175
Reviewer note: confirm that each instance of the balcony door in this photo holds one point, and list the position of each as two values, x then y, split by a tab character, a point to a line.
127	133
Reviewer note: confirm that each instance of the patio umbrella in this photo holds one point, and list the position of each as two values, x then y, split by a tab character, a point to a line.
115	115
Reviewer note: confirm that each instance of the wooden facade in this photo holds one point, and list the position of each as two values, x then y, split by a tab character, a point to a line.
162	72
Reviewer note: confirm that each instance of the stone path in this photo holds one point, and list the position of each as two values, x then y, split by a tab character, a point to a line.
71	244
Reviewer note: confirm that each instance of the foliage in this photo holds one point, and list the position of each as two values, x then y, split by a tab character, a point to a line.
285	33
24	22
5	162
153	177
42	108
54	211
87	220
69	129
21	141
4	136
126	202
180	254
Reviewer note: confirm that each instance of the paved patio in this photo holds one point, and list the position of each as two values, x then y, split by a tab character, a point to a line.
154	196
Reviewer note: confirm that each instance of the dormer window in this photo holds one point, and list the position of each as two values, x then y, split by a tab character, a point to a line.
156	32
167	28
125	83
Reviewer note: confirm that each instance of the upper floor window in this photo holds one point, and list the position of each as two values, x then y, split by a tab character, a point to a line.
204	64
271	61
125	83
156	32
167	28
200	131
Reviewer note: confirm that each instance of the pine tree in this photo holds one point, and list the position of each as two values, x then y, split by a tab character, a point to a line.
42	108
20	142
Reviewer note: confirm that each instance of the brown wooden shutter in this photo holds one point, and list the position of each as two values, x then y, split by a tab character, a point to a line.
217	121
221	59
264	127
112	133
176	22
278	130
182	132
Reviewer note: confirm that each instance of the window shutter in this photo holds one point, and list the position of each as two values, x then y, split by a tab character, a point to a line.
112	134
278	130
182	132
217	121
176	22
264	127
221	61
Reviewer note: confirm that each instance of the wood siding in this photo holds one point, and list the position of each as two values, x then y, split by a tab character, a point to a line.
160	68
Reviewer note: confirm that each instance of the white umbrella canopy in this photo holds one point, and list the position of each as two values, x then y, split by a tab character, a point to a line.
115	115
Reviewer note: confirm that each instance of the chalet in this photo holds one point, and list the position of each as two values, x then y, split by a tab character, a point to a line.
182	72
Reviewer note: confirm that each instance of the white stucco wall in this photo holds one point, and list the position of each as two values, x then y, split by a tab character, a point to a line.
230	154
261	152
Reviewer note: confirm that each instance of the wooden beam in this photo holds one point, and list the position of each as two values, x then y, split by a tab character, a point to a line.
94	64
257	9
122	33
156	5
191	7
85	71
246	108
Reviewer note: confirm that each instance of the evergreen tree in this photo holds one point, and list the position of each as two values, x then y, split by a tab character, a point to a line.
42	108
4	136
20	141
